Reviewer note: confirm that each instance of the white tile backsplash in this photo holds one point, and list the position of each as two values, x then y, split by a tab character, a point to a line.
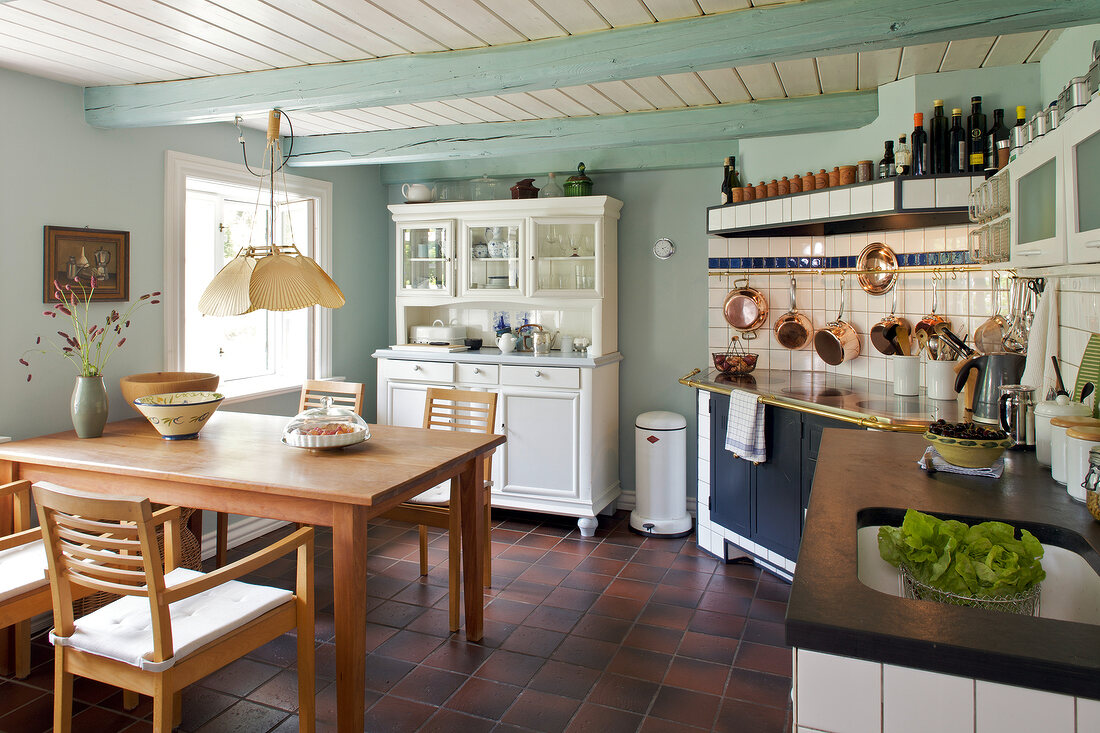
1007	709
906	694
839	694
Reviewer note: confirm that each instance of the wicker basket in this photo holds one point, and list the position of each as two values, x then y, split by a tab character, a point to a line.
1026	604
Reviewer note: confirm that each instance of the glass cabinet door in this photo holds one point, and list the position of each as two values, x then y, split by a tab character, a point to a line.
491	256
565	257
424	251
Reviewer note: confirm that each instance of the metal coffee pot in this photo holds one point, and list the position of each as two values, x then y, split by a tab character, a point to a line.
993	370
1017	415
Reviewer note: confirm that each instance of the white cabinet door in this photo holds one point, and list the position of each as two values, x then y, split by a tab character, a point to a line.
542	454
1082	171
405	403
1038	205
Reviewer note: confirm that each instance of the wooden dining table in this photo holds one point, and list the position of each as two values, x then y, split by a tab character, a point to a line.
238	464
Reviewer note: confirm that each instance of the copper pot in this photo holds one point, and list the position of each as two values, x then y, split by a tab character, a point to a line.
838	342
745	308
878	331
929	322
792	329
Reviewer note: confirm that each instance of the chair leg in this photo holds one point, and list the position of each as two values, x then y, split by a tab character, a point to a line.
423	549
62	694
177	709
307	667
222	541
130	699
22	630
454	568
163	704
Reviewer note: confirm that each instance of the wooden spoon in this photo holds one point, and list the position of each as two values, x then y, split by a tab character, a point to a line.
922	342
901	336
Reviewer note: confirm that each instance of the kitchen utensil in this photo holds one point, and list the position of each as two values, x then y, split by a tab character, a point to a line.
736	359
1016	407
745	308
878	338
838	341
922	343
955	342
879	258
542	341
416	193
1087	390
901	338
1059	385
506	342
990	372
1089	371
792	329
1046	411
929	322
989	336
524	335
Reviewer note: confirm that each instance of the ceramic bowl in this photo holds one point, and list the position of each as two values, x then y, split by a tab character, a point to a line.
966	452
179	415
143	385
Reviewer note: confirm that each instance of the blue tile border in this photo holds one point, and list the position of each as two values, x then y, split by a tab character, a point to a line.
915	259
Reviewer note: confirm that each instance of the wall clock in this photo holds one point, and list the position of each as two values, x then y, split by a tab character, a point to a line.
664	248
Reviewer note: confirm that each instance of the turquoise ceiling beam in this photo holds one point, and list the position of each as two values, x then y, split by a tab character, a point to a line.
599	160
774	33
490	139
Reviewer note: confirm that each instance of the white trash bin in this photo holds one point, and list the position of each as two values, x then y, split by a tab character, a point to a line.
660	450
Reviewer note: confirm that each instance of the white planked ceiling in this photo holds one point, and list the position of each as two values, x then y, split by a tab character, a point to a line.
107	42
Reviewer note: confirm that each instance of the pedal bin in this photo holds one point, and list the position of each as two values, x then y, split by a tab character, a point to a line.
660	450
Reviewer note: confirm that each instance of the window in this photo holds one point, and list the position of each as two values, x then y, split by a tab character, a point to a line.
212	210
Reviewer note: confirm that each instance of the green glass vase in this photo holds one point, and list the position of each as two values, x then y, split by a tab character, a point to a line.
88	407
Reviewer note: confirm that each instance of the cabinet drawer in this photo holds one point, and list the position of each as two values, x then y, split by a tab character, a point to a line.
421	371
478	373
524	376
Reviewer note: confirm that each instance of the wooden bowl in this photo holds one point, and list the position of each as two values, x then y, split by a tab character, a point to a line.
179	415
966	452
143	385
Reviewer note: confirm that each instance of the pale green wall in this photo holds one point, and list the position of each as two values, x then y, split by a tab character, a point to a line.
1070	56
60	171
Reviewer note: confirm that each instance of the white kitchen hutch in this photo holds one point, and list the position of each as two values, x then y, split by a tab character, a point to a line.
481	265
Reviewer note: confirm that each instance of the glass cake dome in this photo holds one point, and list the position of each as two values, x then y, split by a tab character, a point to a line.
325	427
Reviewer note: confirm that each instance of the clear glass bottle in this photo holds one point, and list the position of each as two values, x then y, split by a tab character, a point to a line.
902	157
551	190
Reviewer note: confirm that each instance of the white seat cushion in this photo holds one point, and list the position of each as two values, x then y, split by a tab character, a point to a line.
439	495
123	630
22	569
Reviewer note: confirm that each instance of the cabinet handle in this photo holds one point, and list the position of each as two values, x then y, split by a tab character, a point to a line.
477	371
538	373
1093	244
1029	252
416	367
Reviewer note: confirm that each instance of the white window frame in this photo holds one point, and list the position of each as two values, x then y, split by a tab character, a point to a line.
178	167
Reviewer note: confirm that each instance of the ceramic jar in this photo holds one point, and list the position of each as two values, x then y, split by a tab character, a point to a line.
821	179
865	171
524	189
773	188
809	182
761	190
88	407
737	195
1058	427
784	186
748	193
1063	406
578	185
847	175
796	184
1079	440
834	177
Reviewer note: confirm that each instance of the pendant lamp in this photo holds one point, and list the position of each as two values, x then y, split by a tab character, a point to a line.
273	277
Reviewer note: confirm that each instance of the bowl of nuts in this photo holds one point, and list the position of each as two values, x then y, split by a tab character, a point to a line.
967	444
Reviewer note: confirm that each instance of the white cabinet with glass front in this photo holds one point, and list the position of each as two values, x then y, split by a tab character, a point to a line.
1082	171
425	257
491	264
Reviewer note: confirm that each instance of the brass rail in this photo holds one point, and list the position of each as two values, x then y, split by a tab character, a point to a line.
952	270
872	423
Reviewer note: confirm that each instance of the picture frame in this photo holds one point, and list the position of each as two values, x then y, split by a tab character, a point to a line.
75	255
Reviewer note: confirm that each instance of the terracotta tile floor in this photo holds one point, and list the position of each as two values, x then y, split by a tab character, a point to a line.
614	633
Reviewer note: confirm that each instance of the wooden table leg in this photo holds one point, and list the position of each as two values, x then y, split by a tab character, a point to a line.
7	634
349	572
472	506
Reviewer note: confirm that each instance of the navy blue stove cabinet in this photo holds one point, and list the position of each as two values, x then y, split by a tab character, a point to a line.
765	502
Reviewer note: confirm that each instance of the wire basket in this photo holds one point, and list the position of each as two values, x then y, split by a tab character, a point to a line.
1026	604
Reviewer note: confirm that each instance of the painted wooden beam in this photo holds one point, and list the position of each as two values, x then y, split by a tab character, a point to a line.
663	127
775	33
598	160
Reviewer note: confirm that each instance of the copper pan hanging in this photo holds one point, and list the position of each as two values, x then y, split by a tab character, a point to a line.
878	266
745	308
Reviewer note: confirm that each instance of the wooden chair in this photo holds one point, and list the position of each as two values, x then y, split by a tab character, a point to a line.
141	642
467	411
343	394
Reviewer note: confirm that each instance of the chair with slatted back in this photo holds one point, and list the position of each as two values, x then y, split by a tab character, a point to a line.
343	394
172	626
467	411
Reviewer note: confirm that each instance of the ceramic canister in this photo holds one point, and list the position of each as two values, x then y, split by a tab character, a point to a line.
1079	440
1063	406
1058	426
773	188
796	184
784	186
808	182
761	190
834	177
821	179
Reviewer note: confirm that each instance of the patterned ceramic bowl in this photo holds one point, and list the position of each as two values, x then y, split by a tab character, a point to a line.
968	453
179	415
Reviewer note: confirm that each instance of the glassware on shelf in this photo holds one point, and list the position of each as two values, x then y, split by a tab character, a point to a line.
551	189
485	189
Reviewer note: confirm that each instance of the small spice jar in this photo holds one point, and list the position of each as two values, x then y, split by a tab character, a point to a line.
847	175
809	182
737	195
864	170
821	179
773	188
761	190
1080	439
834	177
796	184
784	186
748	193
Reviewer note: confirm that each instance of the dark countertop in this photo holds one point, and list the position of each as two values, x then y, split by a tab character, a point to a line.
872	481
868	401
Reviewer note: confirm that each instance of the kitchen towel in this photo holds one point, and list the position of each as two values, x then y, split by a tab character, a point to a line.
745	427
932	461
1042	342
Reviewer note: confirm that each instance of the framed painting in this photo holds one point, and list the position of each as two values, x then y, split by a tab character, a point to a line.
79	256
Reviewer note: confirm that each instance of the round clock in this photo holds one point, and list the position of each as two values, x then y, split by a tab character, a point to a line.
664	248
